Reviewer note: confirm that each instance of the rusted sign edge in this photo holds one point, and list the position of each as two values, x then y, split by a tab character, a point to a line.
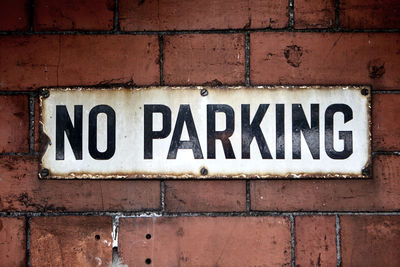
44	140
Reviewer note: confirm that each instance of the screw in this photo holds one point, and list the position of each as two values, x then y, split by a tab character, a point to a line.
44	93
203	171
364	91
44	173
203	92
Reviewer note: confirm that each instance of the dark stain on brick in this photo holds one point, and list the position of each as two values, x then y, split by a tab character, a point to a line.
293	55
180	232
376	68
1	225
214	82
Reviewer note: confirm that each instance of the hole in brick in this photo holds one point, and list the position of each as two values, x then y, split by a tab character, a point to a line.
97	237
148	236
148	261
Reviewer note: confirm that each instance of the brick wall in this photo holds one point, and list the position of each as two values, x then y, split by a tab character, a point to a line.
192	223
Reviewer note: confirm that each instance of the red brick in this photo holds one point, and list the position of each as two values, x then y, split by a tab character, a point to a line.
28	61
382	193
370	240
14	121
204	58
205	241
12	242
325	58
21	190
385	110
201	15
73	15
35	61
186	196
71	241
315	240
14	15
369	14
314	14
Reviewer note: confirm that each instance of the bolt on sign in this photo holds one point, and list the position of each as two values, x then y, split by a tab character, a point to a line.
206	132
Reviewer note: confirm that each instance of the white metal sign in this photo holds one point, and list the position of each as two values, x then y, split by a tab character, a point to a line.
203	132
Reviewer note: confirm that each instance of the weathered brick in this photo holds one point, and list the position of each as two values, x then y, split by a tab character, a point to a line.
12	242
22	190
186	196
370	240
201	15
315	240
207	58
14	121
14	15
325	58
205	241
50	60
73	15
385	132
71	241
369	14
314	14
382	193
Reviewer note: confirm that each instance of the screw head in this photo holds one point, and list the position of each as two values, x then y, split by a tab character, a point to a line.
203	92
203	171
364	91
44	172
44	93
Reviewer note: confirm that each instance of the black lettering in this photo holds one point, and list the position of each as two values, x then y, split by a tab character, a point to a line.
212	134
252	130
280	131
149	134
73	132
346	136
185	116
110	113
311	134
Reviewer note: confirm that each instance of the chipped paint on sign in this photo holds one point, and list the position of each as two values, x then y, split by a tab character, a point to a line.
206	132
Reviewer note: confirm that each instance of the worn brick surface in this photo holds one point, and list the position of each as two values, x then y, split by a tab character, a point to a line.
21	190
380	193
73	15
369	14
385	110
370	240
198	59
51	60
71	241
14	121
201	15
12	242
325	58
314	14
14	15
205	241
315	241
205	196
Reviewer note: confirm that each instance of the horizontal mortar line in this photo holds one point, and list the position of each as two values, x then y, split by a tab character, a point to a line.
200	214
395	91
20	154
392	153
30	93
213	31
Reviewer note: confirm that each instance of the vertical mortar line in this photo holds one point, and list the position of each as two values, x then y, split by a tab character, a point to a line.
116	16
293	240
115	220
31	14
28	241
248	200
31	124
337	15
162	195
338	242
161	57
247	58
291	14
